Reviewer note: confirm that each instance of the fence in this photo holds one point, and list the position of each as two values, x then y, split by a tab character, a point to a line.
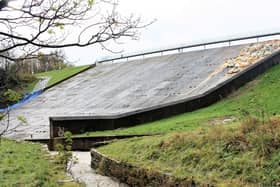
182	47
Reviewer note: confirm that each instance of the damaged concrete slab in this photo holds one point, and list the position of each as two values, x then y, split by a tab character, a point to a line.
111	89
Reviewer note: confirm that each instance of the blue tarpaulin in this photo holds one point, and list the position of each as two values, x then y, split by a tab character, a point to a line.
22	101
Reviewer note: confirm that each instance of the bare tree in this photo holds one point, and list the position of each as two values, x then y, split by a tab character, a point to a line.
30	25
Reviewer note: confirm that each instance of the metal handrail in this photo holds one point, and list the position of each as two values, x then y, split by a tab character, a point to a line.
188	46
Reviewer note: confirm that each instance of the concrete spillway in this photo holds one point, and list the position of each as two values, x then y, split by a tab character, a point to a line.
129	86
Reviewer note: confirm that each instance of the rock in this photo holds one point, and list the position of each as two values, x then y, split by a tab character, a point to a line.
266	53
275	46
233	70
244	64
251	54
254	54
230	63
242	59
252	50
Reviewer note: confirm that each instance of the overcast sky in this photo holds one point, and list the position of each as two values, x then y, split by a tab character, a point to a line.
183	21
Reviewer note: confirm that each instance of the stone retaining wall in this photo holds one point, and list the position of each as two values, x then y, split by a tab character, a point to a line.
86	143
136	176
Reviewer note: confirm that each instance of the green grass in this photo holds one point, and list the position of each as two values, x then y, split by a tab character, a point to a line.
26	164
58	75
262	93
223	156
28	88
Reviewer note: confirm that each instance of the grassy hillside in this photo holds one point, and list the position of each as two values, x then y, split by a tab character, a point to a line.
243	152
58	75
26	164
260	94
223	156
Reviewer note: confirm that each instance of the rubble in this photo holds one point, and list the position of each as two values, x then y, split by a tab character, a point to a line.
251	54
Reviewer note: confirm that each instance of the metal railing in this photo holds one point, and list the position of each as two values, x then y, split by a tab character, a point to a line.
180	48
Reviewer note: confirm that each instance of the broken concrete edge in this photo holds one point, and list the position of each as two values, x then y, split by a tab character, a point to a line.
82	124
85	143
135	175
90	66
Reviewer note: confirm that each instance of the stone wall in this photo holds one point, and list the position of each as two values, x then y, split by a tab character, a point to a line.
87	143
136	176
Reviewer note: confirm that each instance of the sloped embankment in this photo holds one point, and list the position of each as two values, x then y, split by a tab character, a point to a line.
245	156
240	154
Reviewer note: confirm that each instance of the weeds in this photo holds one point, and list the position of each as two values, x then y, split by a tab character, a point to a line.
64	156
245	156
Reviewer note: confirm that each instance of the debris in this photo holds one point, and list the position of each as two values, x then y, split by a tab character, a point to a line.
251	54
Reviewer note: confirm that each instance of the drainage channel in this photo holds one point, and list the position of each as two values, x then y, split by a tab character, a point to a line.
84	173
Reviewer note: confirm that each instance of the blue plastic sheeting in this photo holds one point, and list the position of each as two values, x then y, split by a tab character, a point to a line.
22	101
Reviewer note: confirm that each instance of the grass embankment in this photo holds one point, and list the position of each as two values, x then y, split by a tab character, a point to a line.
58	75
262	93
223	156
26	164
29	87
241	153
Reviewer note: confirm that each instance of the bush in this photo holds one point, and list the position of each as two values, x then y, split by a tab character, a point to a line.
27	78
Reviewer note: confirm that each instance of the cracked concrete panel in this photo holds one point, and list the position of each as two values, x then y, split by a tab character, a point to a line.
125	87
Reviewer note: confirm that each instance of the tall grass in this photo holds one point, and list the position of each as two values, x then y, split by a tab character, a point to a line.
245	156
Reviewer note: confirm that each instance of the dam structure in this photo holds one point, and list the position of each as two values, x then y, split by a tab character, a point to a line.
111	89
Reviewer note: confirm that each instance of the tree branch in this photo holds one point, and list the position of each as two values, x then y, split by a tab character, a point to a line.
39	24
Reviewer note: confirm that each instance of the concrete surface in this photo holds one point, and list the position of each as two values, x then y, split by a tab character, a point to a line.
84	173
42	83
124	87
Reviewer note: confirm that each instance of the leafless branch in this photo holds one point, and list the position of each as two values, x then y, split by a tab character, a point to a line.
31	25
